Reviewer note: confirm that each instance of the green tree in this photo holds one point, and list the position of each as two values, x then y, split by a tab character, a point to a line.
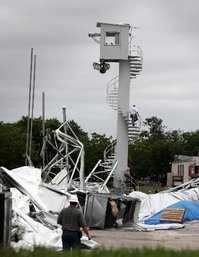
139	159
12	141
154	151
155	129
95	150
37	136
191	143
150	154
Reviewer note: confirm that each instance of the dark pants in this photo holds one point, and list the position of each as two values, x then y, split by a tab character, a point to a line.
134	117
70	239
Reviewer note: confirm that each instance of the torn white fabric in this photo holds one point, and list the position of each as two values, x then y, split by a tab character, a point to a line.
153	203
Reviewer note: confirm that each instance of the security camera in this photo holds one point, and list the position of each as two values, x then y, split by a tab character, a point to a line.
96	66
102	67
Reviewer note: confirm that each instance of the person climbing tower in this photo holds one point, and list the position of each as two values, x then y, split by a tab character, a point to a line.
134	114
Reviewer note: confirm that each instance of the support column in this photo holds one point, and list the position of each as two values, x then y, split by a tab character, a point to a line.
122	128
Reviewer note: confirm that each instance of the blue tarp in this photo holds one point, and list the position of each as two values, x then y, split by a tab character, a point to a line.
191	213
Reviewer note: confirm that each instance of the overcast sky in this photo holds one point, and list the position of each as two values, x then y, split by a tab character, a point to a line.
58	30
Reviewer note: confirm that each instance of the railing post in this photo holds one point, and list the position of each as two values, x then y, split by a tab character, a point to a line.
5	218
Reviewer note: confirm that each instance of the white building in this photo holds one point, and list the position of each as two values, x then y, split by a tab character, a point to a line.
183	168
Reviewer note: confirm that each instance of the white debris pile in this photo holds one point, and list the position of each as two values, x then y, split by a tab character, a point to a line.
35	206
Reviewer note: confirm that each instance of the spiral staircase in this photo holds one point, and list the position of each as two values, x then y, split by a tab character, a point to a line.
135	63
106	169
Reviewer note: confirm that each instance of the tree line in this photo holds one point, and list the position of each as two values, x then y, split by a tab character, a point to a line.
150	154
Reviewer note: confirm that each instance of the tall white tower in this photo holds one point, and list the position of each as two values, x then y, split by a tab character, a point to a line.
114	47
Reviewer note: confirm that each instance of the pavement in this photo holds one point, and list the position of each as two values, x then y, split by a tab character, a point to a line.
176	239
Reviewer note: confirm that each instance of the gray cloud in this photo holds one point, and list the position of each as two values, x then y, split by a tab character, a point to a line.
58	32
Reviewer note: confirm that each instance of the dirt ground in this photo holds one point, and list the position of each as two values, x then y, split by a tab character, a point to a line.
177	239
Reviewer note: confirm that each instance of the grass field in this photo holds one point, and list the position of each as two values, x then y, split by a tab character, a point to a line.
159	252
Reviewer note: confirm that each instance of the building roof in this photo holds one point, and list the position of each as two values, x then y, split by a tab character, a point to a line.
118	24
185	158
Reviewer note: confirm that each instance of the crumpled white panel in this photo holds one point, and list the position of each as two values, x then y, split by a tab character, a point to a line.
153	203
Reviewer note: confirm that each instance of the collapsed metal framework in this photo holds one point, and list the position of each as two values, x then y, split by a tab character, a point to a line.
66	168
69	159
68	163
